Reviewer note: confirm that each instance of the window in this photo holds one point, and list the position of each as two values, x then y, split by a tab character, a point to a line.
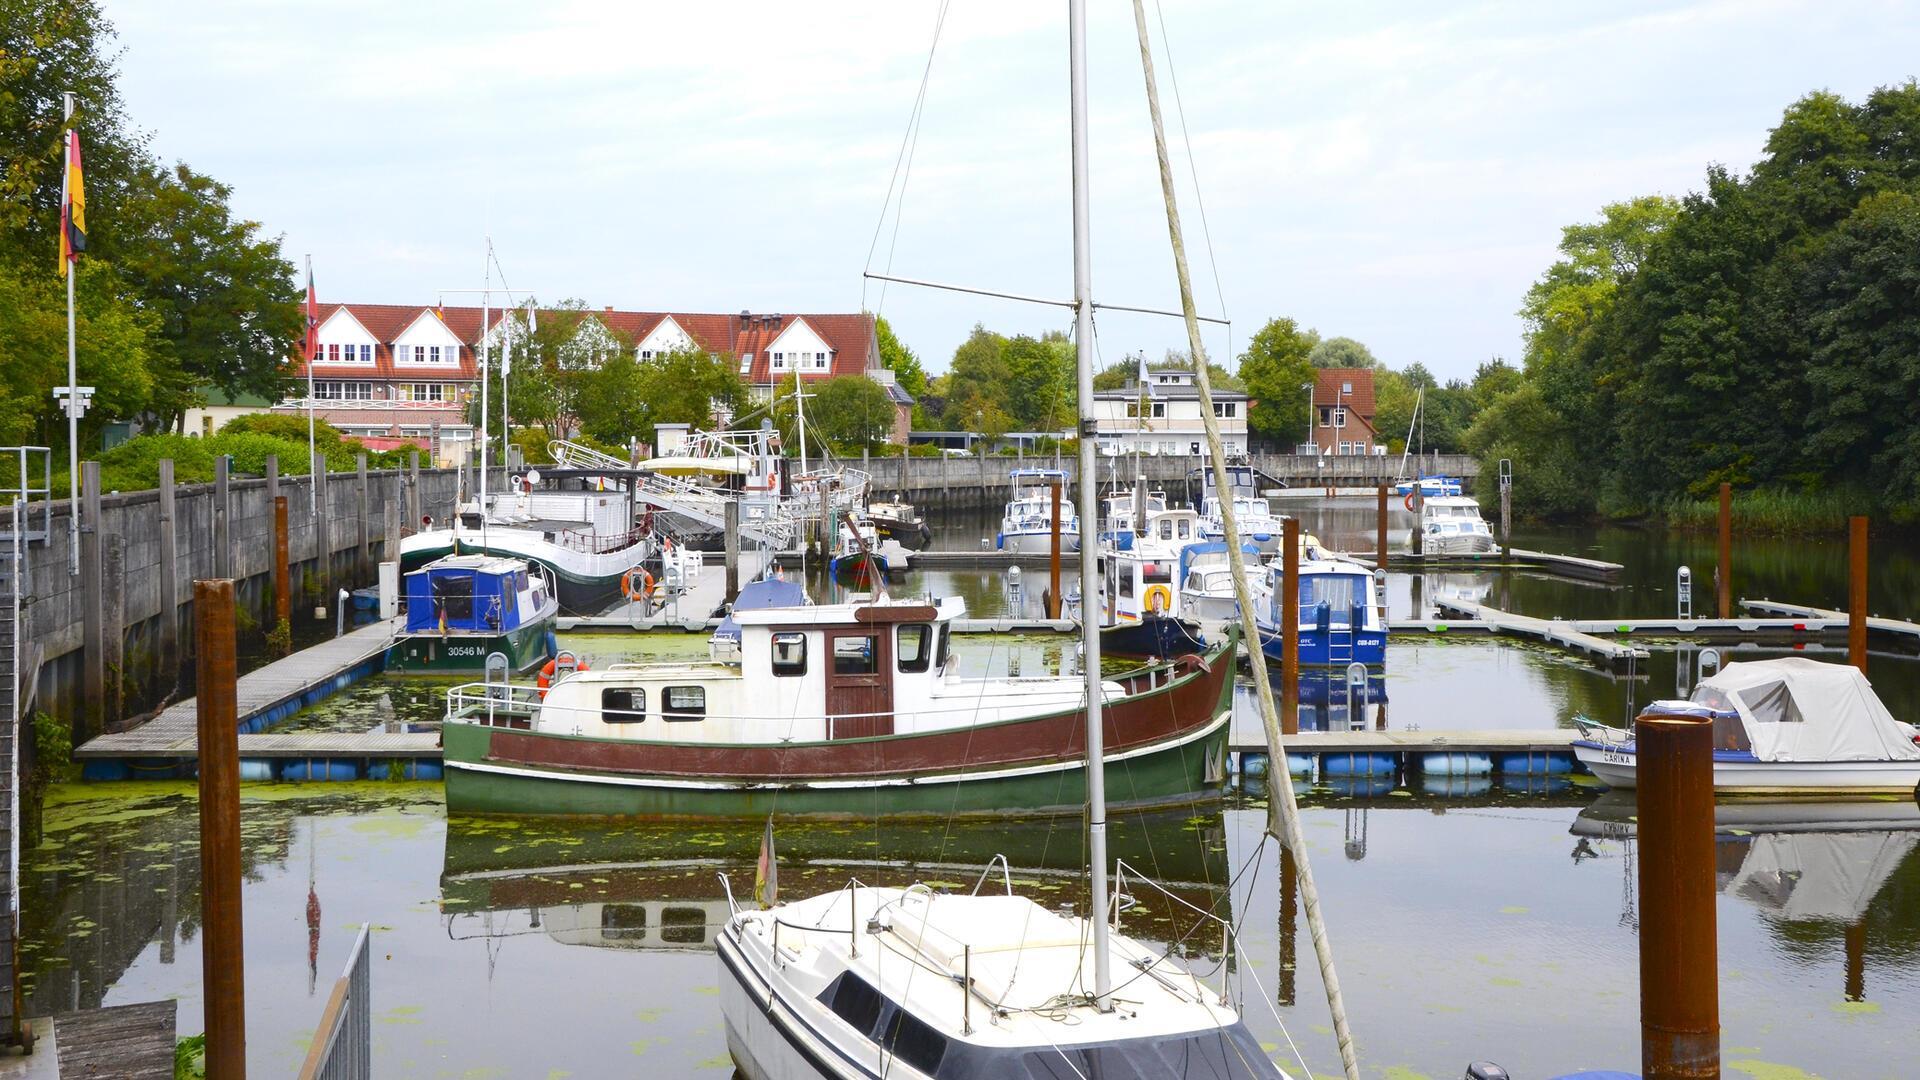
338	390
366	354
820	361
1326	416
855	1001
1157	573
424	392
856	655
1225	409
683	925
914	647
683	703
646	354
623	922
1166	528
623	705
1193	448
779	361
911	1040
940	655
789	654
1126	583
1133	410
1346	388
1159	410
1340	417
1185	528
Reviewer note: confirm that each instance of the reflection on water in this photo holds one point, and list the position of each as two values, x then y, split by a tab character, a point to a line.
1466	928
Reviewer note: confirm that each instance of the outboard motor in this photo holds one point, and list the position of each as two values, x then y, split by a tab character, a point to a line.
1486	1070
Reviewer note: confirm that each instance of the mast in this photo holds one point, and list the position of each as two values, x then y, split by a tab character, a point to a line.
1089	505
485	296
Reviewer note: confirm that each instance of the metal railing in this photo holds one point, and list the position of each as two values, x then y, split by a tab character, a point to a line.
342	1047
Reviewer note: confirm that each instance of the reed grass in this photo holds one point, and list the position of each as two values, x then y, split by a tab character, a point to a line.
1771	511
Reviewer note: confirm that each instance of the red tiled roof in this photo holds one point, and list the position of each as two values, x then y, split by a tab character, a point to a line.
851	337
1327	390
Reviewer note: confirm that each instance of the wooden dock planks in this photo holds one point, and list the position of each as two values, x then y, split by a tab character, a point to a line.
1839	618
126	1042
1552	631
172	733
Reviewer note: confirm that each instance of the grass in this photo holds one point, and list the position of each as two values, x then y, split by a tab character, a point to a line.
1771	511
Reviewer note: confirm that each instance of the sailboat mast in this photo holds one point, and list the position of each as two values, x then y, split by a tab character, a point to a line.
486	297
1089	505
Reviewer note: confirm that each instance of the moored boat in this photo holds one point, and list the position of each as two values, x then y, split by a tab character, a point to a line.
1785	726
1143	616
463	609
1027	526
1340	623
1452	525
850	709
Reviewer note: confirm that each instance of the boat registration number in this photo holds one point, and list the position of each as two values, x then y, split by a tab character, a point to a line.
465	650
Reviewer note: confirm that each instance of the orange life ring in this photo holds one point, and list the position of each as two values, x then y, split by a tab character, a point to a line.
1408	501
648	587
561	665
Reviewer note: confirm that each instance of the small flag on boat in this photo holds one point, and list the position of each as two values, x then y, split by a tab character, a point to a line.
73	207
766	873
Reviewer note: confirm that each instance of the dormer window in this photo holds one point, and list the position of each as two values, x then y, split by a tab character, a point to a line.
1346	388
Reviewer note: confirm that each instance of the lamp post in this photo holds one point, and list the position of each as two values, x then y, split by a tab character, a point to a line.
1308	387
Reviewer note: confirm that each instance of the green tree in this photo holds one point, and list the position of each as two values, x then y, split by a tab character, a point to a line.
905	365
114	343
979	380
1342	352
1274	368
850	413
1041	388
1551	475
625	397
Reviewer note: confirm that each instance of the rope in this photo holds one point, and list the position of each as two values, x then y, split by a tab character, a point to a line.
909	142
1295	838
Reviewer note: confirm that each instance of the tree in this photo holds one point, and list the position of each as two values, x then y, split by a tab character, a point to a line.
850	413
225	298
1275	369
978	380
114	343
1338	352
1041	389
626	397
906	368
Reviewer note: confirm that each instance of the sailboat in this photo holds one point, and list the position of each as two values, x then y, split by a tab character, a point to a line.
865	982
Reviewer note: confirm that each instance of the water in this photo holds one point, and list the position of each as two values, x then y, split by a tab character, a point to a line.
502	948
1469	927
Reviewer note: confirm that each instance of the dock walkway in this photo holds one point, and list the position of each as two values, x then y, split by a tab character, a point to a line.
1546	740
1561	632
264	695
1875	624
1568	566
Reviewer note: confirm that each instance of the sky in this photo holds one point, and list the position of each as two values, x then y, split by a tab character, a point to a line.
1395	173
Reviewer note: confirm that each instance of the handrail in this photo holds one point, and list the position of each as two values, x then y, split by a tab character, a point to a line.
1006	873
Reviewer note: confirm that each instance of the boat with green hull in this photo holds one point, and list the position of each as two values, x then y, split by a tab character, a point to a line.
462	610
847	710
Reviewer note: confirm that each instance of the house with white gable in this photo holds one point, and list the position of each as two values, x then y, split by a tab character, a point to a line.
396	375
1161	416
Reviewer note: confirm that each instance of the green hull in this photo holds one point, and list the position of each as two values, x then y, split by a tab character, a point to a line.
466	653
1167	775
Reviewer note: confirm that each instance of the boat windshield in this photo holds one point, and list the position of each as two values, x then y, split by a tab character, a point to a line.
1341	592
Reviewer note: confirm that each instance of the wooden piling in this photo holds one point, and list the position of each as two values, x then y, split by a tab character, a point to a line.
1723	575
1419	540
1380	528
113	622
282	572
1679	957
364	561
1857	593
732	511
1140	505
1053	563
1506	517
413	490
222	517
221	947
1289	636
93	662
169	577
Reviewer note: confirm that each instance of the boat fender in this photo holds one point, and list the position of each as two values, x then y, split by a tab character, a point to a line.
1194	662
647	587
1159	599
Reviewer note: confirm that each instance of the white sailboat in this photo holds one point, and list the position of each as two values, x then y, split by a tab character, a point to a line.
868	982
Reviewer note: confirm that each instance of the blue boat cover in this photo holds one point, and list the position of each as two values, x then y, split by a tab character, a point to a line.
466	592
765	593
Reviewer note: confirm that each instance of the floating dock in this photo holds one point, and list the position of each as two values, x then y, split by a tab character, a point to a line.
1801	613
1545	740
1568	566
1561	632
271	694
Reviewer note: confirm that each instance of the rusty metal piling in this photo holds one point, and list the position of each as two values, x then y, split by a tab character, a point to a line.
1857	593
1723	574
282	569
222	959
1679	948
1289	633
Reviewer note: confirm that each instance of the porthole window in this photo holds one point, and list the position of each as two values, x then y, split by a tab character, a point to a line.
623	705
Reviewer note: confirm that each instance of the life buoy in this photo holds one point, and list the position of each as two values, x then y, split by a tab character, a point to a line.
1159	599
1408	501
559	667
647	585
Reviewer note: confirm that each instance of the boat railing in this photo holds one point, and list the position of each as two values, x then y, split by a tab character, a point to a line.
1595	731
589	542
572	455
1229	938
1006	874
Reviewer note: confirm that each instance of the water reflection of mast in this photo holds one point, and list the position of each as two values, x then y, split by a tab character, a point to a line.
1857	960
313	907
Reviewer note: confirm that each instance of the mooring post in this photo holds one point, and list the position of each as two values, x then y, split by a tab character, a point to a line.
1857	593
1679	954
364	565
113	620
1380	528
413	490
273	478
390	547
1419	505
1053	561
732	508
1139	505
1289	636
222	960
93	664
1506	516
282	572
1723	575
222	514
169	575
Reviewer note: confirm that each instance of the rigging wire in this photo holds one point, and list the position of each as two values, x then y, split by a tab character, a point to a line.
903	164
1193	171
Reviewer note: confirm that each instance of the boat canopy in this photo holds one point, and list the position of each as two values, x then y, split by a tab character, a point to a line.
1796	709
765	593
1820	875
466	592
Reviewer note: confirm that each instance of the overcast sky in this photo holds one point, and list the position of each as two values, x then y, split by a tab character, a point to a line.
1394	173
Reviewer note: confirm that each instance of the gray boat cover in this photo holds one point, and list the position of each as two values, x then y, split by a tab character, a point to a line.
1796	709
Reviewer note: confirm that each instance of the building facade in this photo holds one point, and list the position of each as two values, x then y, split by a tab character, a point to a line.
1160	415
1343	413
398	375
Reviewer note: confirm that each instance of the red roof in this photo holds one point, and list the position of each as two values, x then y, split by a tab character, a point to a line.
850	337
1330	389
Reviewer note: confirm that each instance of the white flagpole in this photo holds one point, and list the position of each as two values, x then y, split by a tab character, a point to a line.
313	482
73	370
486	297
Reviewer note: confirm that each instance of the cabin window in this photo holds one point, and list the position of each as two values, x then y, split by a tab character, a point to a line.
453	597
683	703
940	654
683	925
856	655
1186	528
914	647
623	922
790	654
1166	530
914	1041
855	1001
622	705
1126	583
1158	573
1338	591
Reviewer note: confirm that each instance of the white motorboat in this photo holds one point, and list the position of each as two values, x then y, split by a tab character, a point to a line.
1141	613
1259	525
1027	526
1205	578
1452	525
1786	726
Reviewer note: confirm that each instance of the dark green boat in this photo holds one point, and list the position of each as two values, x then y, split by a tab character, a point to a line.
462	609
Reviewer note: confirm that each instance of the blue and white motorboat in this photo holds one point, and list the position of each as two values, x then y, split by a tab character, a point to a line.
1784	727
1257	522
1431	487
1027	526
1340	622
1452	525
467	612
1143	616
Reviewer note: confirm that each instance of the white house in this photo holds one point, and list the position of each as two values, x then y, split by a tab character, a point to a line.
1162	417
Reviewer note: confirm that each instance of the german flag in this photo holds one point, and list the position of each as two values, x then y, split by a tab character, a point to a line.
73	207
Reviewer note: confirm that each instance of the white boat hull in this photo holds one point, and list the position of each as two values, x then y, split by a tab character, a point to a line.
1473	544
1616	768
1037	543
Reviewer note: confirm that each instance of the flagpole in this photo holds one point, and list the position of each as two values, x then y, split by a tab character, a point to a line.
73	370
313	482
486	296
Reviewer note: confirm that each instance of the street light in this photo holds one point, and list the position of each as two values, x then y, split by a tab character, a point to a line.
1308	387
